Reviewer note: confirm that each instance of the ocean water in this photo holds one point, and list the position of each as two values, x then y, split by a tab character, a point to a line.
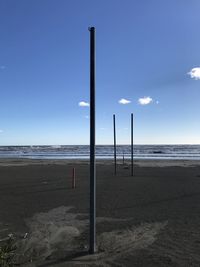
189	152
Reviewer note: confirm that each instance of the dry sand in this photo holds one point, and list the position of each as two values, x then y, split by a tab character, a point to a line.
151	219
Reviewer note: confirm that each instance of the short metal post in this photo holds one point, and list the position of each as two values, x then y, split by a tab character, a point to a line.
74	178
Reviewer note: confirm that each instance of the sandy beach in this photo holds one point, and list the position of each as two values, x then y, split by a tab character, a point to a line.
151	219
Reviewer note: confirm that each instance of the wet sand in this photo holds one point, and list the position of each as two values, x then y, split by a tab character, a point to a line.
151	219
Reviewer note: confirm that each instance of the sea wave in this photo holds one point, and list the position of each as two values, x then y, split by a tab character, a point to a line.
102	152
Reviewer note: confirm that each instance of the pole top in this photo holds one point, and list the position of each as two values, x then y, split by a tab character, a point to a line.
91	29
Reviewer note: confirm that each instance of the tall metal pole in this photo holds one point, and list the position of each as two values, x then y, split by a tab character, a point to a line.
92	248
114	131
131	144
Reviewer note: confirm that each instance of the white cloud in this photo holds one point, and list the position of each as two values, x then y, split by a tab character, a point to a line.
83	104
145	100
195	73
124	101
157	102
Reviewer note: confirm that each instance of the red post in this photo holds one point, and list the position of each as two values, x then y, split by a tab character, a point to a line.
73	178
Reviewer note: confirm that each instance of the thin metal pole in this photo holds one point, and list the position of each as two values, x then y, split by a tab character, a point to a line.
92	248
114	131
131	144
74	178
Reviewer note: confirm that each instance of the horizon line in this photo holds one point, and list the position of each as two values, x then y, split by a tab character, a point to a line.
161	144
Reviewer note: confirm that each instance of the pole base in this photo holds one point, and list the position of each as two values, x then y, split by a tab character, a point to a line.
92	251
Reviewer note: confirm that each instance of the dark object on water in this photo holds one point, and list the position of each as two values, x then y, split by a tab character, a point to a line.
158	152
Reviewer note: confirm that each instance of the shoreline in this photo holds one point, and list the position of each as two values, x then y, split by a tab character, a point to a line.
137	162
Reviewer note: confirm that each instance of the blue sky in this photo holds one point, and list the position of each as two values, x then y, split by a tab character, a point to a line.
145	53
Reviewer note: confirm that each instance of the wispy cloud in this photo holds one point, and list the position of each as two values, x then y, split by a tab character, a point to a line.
2	67
83	104
124	101
1	131
145	100
195	73
87	117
